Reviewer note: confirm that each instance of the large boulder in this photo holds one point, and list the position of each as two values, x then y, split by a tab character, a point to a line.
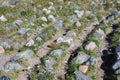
22	55
91	46
11	66
4	78
57	53
81	58
80	76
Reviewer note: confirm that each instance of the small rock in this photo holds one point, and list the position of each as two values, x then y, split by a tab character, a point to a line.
2	50
70	34
83	68
30	43
51	18
99	34
58	24
46	11
81	58
116	66
44	19
57	53
3	18
77	24
65	39
91	46
79	13
51	3
17	22
22	31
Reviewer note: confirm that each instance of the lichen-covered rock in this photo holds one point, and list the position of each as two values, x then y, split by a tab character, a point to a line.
70	34
116	66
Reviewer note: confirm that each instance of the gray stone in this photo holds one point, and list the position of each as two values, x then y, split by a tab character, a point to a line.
22	31
57	53
30	43
81	58
42	35
11	66
4	78
93	60
79	13
80	76
70	33
22	55
17	22
99	34
58	24
65	39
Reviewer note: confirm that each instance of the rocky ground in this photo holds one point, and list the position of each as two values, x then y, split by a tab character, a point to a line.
59	39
